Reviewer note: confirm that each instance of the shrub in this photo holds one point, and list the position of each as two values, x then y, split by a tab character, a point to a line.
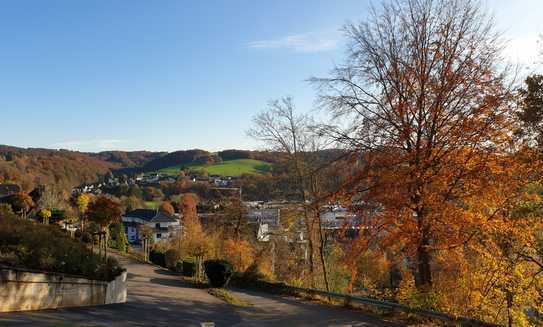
218	272
157	257
179	266
6	209
188	267
46	247
171	257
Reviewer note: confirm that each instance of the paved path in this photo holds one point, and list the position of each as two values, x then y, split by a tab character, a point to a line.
158	298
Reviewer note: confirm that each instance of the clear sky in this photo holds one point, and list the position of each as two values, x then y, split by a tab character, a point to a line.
170	75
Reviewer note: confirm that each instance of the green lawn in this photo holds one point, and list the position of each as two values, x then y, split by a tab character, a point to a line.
232	168
151	204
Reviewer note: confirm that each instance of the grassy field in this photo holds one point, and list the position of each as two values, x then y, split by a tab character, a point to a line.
232	168
151	204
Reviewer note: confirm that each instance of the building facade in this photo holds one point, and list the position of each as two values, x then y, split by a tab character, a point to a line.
162	225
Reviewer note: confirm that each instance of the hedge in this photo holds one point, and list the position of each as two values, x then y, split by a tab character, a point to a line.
218	272
157	257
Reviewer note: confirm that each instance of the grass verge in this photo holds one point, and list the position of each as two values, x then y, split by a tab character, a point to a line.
228	297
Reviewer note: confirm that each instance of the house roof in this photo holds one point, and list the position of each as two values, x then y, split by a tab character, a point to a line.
9	189
151	215
144	214
162	217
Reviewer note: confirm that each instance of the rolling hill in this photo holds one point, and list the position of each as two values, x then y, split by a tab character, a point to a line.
233	168
30	167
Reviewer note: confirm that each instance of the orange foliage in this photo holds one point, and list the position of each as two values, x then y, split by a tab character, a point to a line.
240	253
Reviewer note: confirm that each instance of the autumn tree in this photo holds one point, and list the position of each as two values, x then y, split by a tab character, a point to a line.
424	110
193	241
131	203
291	134
82	203
104	211
45	215
237	235
239	252
235	222
21	203
51	197
167	208
188	206
152	193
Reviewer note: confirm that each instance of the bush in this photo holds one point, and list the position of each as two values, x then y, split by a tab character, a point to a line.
218	272
46	247
171	257
179	266
6	209
157	257
188	267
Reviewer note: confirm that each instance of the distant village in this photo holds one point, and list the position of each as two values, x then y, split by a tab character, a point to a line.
149	179
264	216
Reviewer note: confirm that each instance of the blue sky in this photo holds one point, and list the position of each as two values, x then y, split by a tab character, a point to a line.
169	75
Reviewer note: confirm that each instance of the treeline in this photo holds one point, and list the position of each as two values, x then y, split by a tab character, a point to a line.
127	159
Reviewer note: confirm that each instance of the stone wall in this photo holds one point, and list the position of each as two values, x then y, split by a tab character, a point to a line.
22	290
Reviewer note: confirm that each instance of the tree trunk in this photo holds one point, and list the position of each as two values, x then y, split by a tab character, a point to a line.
310	250
106	237
322	245
424	272
352	279
509	298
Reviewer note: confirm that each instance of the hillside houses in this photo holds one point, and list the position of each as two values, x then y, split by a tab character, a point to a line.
336	217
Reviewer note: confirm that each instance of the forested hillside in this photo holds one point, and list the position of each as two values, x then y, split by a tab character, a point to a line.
31	167
128	159
63	168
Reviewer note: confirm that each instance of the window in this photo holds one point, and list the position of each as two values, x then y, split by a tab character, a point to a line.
157	225
158	235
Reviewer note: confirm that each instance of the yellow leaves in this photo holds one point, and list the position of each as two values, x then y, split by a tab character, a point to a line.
82	202
195	241
45	213
240	253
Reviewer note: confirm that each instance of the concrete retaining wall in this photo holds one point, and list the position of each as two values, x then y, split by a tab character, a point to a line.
22	290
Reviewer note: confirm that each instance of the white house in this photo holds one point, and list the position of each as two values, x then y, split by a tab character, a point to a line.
336	217
270	216
162	224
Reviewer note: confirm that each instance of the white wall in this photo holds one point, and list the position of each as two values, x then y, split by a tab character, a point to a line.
24	290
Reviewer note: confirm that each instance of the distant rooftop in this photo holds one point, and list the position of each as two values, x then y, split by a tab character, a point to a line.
151	215
9	189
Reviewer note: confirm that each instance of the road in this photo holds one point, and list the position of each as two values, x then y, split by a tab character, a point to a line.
158	298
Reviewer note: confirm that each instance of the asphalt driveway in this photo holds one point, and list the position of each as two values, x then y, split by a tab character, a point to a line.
158	298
